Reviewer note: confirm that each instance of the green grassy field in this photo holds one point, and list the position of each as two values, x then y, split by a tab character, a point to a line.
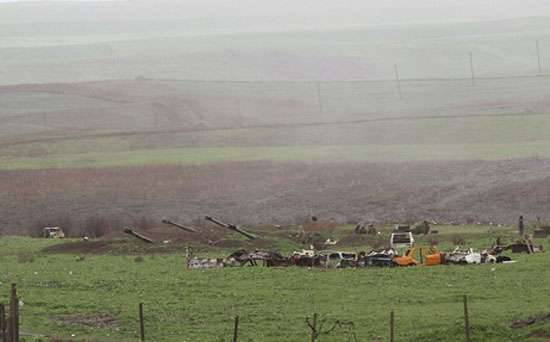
62	293
203	155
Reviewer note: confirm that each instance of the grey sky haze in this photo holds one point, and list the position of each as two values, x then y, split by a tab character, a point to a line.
357	12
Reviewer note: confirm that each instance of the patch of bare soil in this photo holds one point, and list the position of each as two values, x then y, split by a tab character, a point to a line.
100	320
540	335
83	247
522	323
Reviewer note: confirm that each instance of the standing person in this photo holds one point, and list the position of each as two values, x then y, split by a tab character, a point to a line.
520	226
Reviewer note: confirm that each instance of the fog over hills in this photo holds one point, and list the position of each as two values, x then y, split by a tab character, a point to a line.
262	48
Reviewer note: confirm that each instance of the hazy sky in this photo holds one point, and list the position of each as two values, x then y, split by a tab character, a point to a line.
371	11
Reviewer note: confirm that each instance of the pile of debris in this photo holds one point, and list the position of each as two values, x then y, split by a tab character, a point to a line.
403	251
412	256
239	258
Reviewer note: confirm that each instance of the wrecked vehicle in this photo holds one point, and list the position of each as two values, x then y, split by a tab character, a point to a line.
401	240
487	258
493	254
428	256
380	258
268	258
238	258
332	259
305	258
53	233
459	256
242	257
524	246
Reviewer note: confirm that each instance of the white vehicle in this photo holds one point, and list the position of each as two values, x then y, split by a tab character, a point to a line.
333	259
53	233
401	240
459	256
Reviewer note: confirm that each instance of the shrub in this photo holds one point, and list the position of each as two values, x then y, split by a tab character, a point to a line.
139	259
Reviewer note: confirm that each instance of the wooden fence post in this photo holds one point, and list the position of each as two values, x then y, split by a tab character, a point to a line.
466	320
314	332
14	314
392	331
3	327
9	333
141	323
236	329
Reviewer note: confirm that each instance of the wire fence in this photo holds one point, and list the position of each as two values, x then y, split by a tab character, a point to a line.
315	326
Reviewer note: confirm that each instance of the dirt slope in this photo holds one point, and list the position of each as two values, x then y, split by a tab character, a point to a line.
264	192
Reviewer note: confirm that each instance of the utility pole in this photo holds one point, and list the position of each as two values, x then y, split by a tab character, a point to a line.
398	81
539	58
472	68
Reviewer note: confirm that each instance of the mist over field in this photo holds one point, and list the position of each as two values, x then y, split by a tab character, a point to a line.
117	88
44	42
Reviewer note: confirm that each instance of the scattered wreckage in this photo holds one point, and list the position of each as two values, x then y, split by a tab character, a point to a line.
403	250
414	256
428	256
382	258
463	256
239	258
409	255
334	259
524	245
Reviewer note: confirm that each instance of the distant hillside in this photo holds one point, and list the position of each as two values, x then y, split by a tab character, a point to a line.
45	52
96	123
